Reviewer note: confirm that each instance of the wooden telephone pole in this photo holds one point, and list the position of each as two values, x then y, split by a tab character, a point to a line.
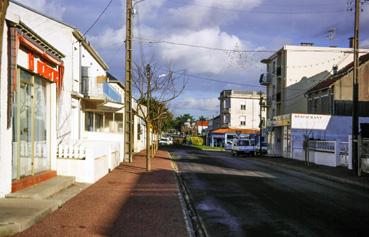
128	126
261	123
355	92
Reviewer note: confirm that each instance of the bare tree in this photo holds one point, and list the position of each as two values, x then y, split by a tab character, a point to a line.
3	7
154	91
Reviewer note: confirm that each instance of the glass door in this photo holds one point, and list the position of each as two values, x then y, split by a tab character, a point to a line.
30	146
41	161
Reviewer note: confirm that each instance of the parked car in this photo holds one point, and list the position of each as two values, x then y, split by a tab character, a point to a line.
244	146
228	146
166	141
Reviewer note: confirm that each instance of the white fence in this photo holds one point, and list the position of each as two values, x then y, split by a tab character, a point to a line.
326	153
71	152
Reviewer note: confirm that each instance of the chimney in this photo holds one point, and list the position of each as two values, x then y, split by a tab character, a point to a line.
351	42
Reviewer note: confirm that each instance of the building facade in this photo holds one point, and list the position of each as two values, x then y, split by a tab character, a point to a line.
240	109
290	72
61	111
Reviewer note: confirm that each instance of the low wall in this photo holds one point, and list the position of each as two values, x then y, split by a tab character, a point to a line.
88	162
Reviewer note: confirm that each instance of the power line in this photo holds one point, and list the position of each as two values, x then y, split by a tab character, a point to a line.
253	11
183	71
153	41
150	41
98	18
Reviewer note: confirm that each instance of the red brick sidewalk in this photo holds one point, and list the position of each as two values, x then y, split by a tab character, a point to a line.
127	202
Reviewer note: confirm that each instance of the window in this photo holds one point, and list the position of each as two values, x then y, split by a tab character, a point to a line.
243	105
227	103
139	131
99	122
103	122
226	118
243	120
89	121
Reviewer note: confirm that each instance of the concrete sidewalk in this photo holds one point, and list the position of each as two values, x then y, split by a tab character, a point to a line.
336	174
127	202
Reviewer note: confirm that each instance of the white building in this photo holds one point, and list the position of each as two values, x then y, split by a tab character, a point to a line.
240	109
291	72
67	115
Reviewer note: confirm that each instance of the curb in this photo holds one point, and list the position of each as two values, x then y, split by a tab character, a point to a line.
321	175
196	223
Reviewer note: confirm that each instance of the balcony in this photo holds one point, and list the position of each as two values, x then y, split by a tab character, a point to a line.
92	87
265	79
111	94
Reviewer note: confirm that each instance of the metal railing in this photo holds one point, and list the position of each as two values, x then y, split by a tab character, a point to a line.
111	93
324	146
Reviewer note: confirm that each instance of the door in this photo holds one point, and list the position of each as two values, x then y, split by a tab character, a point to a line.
30	143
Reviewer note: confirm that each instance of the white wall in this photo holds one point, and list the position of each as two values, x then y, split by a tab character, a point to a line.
60	36
251	113
139	144
5	134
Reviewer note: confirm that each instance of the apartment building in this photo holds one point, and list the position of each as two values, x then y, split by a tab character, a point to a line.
290	72
240	109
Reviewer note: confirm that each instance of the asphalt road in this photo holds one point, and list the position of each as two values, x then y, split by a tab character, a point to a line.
244	197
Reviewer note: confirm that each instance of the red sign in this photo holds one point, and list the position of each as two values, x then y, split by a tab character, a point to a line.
46	71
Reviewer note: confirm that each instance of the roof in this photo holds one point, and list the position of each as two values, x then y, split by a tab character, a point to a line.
113	79
235	130
341	73
202	123
302	48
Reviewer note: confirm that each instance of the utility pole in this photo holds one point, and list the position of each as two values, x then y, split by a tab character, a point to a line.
148	121
355	92
128	128
262	106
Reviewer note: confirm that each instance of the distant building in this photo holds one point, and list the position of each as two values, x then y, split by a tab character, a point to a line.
240	109
202	127
214	123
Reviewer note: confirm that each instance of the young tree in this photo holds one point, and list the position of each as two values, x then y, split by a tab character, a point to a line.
154	92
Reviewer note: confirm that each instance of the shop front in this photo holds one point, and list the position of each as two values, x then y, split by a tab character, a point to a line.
36	77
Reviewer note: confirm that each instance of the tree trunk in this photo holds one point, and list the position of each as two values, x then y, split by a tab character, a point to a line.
3	7
148	151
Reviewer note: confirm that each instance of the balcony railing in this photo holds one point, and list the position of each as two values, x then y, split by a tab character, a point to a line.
265	79
111	93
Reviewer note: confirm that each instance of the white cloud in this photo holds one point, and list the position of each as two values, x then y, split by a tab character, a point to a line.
198	60
52	8
207	105
109	38
200	13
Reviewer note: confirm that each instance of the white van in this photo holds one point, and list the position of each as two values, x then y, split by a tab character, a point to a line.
243	146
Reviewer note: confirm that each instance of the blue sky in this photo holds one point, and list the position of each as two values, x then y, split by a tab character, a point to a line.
226	24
